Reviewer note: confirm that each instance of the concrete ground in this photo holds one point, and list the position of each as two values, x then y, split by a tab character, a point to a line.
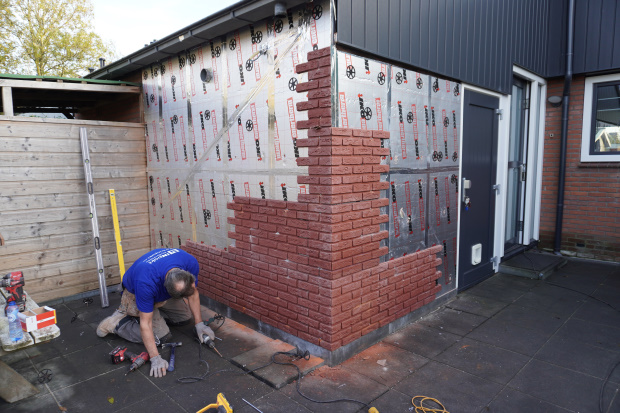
510	344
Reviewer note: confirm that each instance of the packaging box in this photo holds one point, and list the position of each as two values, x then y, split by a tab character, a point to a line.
37	318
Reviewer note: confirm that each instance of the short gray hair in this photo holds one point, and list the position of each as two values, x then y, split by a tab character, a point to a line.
179	283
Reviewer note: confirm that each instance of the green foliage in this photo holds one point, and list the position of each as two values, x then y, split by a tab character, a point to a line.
49	37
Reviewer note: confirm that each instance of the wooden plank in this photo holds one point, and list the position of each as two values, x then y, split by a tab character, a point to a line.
33	273
21	173
7	101
79	87
37	201
63	214
68	240
50	256
47	159
47	145
68	186
60	131
48	228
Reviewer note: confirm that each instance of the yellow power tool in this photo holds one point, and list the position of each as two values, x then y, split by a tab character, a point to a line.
221	406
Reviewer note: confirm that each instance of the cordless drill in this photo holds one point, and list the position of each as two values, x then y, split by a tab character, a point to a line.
14	284
119	354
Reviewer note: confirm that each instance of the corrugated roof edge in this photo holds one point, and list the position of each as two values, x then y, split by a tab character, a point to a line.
67	79
243	12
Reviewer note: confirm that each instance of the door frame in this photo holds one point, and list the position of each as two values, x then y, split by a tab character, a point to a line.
503	133
536	140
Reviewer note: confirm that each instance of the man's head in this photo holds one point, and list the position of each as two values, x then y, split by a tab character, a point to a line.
180	283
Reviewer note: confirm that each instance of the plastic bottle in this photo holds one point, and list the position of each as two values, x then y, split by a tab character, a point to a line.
15	327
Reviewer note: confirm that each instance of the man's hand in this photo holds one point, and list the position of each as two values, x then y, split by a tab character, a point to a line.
202	329
158	366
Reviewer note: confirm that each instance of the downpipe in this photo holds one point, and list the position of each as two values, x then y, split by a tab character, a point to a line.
568	78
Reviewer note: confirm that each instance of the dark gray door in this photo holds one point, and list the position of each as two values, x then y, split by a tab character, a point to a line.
480	132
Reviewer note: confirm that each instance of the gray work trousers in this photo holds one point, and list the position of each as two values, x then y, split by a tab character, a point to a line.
173	311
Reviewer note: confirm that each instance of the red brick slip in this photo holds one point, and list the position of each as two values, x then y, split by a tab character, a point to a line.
312	268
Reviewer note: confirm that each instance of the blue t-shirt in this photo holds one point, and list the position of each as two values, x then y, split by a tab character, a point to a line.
145	278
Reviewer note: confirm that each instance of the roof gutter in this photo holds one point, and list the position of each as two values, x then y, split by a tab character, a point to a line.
568	78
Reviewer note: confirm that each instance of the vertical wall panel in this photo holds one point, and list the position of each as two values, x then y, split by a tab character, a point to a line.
478	41
606	44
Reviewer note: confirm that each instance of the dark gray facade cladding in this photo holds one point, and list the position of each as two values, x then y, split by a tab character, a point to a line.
478	41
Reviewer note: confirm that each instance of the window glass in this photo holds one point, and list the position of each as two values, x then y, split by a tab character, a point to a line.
606	122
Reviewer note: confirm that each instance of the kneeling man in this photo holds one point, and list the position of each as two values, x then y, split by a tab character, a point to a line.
158	289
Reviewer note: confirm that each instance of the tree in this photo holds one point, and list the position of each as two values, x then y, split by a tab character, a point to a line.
49	37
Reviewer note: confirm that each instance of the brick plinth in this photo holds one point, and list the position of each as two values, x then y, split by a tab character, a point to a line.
312	268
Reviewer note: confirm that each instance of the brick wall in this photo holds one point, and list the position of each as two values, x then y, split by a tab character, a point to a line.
312	268
592	193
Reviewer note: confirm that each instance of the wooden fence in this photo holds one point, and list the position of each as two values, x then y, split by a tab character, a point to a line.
44	212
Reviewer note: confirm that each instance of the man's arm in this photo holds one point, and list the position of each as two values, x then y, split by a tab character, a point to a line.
194	306
148	338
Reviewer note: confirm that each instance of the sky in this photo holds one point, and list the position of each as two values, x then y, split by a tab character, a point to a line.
130	24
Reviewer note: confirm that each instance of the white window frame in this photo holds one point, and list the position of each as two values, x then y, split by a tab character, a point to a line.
587	120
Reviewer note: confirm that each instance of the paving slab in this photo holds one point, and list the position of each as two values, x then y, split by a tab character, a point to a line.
108	392
483	360
598	335
552	299
39	403
422	340
78	337
513	401
159	402
273	402
80	365
596	312
329	383
392	401
276	375
531	318
559	386
483	306
457	390
234	385
579	356
237	339
385	363
497	292
453	321
509	336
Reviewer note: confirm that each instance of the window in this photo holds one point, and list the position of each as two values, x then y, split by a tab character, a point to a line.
601	119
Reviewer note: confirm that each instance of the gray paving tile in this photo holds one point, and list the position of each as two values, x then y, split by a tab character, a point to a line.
237	338
80	365
273	402
108	392
483	360
580	356
496	292
483	306
259	362
17	359
559	386
592	333
188	364
532	318
596	312
392	401
41	403
385	363
513	282
195	396
585	282
614	406
159	402
422	340
552	299
77	337
328	383
453	321
457	390
510	336
513	401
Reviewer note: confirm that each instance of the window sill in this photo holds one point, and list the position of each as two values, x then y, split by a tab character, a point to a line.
599	164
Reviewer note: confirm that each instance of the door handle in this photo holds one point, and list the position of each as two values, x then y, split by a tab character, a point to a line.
465	185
